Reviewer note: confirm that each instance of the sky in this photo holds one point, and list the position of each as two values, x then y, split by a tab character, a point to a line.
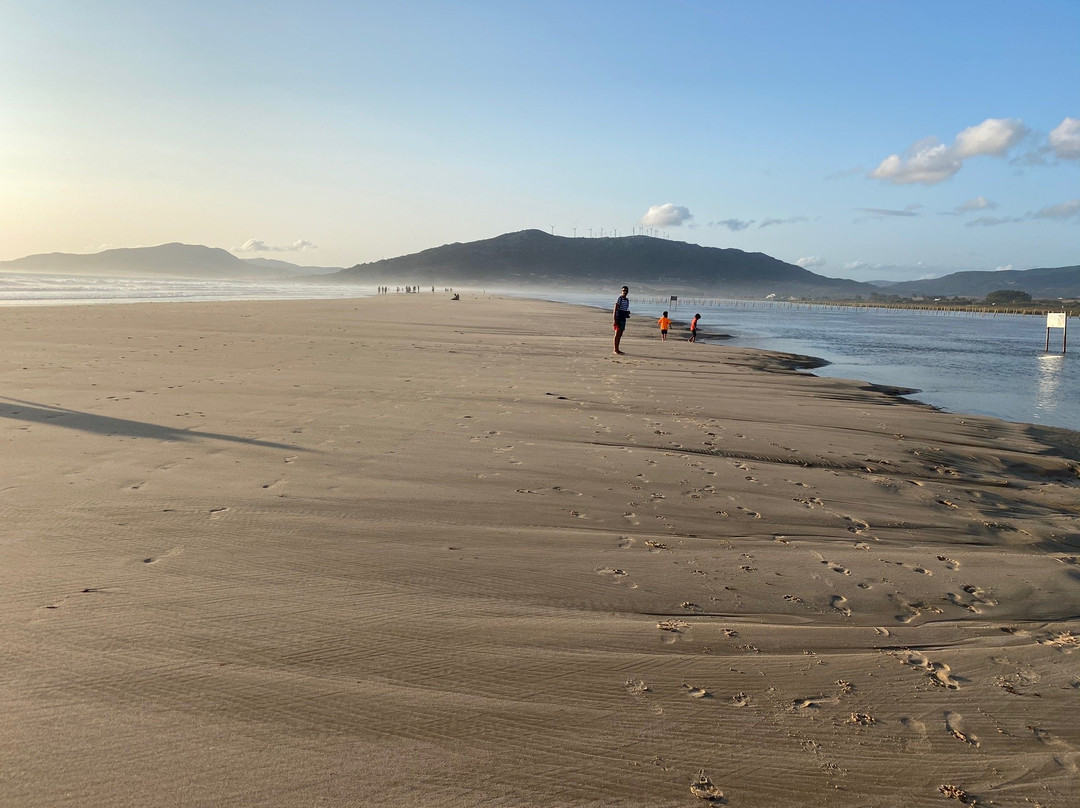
883	140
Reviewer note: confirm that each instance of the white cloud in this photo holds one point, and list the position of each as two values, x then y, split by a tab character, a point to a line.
254	245
851	266
810	262
992	137
666	216
1004	268
930	161
1064	210
1065	139
978	203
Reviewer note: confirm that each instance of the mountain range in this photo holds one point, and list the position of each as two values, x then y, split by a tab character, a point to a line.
533	258
166	260
536	259
1043	284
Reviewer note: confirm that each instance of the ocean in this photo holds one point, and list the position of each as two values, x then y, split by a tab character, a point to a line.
37	290
978	364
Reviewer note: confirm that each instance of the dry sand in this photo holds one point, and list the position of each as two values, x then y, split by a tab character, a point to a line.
408	551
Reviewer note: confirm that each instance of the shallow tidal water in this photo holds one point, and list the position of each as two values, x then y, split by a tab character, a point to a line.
978	364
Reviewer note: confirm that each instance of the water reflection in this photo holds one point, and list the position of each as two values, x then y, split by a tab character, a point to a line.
1048	383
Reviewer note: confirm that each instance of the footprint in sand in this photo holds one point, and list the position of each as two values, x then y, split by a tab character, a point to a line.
838	604
939	673
974	599
216	512
1062	640
167	554
910	611
920	742
616	574
836	567
857	525
631	518
953	723
741	700
815	702
696	692
950	563
637	687
672	629
626	542
704	789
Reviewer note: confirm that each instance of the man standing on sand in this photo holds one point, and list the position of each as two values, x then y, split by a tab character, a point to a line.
621	312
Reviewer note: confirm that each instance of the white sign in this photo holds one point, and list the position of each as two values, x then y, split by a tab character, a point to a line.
1055	319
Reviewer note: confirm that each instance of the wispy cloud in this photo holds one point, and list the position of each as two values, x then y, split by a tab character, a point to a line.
910	210
1004	268
667	215
854	266
971	205
1064	210
993	221
811	262
788	220
1068	211
734	225
254	245
930	161
846	172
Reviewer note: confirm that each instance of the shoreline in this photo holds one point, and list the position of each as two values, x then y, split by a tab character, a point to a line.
403	549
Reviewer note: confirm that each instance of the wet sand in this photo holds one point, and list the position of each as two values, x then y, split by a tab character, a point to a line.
408	551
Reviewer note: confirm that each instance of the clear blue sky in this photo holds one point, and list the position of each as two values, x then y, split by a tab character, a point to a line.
866	140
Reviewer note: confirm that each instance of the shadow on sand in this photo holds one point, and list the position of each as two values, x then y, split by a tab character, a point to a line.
35	413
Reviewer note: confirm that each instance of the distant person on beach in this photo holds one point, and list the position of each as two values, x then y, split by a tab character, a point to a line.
664	323
620	314
693	328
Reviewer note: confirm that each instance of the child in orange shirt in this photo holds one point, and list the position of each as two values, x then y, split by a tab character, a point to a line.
664	324
693	328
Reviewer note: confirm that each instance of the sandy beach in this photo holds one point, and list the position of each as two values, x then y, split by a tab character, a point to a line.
413	551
